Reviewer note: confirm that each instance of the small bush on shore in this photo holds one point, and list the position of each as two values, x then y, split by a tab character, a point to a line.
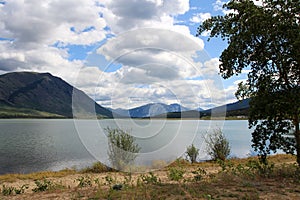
150	178
217	145
122	149
42	185
176	174
84	181
10	190
192	152
97	167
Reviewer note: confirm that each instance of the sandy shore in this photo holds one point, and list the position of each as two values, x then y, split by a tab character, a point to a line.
99	185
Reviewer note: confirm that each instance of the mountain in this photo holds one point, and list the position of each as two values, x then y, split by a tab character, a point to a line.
150	110
231	109
239	108
41	94
160	110
120	112
199	109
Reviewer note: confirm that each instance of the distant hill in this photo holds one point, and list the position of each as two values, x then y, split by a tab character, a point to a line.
30	94
232	109
149	110
160	110
239	108
199	109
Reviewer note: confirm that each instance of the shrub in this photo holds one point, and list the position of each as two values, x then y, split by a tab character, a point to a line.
175	174
192	152
42	185
199	174
217	145
84	181
7	190
179	162
109	180
97	167
122	150
21	190
150	179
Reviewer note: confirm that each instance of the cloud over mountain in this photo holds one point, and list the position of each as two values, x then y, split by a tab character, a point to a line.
149	54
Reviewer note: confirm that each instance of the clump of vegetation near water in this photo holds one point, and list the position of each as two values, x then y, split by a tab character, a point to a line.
217	145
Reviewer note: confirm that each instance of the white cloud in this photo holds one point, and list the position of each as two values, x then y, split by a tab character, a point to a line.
155	52
34	28
32	23
158	57
190	93
246	71
135	86
258	2
200	17
124	15
211	66
218	5
161	61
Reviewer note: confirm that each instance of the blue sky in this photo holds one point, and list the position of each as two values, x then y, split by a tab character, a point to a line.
121	53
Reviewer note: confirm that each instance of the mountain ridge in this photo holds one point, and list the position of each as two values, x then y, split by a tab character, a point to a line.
149	110
238	108
42	95
45	93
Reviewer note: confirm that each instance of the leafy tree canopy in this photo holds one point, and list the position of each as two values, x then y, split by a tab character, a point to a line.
265	38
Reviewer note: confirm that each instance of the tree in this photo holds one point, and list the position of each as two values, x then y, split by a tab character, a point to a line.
217	145
265	39
192	152
122	150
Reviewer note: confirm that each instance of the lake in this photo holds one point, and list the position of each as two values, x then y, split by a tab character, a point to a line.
30	145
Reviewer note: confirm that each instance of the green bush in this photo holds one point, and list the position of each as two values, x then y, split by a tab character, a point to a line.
42	185
122	149
109	180
84	181
217	145
97	167
175	174
7	190
150	179
200	173
192	152
21	190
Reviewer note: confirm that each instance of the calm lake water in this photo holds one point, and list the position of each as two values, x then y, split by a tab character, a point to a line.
29	145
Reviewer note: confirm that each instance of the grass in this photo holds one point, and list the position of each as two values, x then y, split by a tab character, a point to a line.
97	167
235	179
224	185
36	175
12	112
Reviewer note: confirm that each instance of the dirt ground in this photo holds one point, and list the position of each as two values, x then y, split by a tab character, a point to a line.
213	183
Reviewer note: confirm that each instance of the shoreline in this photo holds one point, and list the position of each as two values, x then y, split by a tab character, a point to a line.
211	180
201	162
62	118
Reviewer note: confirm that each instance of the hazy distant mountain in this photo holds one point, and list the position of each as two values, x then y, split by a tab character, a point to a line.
150	110
199	109
236	108
233	109
29	93
120	111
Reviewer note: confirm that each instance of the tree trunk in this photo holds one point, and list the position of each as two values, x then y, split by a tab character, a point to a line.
297	136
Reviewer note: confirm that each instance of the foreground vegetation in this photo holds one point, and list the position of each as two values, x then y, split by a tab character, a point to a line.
11	112
231	179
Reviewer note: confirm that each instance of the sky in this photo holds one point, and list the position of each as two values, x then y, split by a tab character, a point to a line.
122	53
